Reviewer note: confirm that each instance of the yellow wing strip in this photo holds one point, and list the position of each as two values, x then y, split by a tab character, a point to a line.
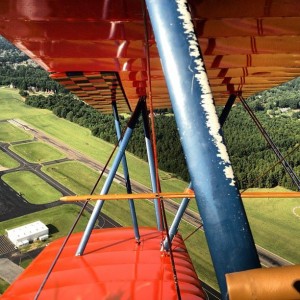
187	194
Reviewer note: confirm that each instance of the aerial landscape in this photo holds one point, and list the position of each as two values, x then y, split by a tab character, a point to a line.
54	146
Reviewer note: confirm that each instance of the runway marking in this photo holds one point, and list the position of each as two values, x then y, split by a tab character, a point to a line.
294	210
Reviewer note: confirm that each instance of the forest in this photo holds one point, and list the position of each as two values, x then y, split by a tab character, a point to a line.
254	163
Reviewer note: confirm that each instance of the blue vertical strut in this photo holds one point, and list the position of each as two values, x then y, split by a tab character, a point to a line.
225	223
185	202
151	163
126	173
174	226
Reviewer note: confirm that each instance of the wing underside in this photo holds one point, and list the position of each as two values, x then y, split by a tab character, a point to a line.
248	46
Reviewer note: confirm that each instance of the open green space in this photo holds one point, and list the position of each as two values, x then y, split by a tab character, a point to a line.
10	133
51	217
78	177
7	162
37	152
78	138
3	285
33	188
275	226
272	221
13	106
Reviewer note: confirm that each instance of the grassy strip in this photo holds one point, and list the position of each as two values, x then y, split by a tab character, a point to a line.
12	105
78	138
78	177
37	152
10	133
81	139
274	226
33	188
24	263
3	285
7	162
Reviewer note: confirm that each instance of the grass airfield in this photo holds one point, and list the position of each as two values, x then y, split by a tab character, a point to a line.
274	223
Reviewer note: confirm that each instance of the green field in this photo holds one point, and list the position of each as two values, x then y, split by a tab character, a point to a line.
31	187
275	226
37	152
10	133
7	162
12	105
78	177
51	217
273	223
3	285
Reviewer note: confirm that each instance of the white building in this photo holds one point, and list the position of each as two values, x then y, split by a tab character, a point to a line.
27	233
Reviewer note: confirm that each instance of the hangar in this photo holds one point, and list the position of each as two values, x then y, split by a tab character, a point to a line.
22	235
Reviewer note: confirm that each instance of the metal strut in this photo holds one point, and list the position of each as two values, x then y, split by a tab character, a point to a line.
126	173
185	201
277	152
113	170
150	156
226	226
227	109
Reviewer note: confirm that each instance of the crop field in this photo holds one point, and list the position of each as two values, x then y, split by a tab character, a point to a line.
6	162
37	152
34	189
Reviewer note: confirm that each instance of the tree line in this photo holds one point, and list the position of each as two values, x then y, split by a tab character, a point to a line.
250	154
278	109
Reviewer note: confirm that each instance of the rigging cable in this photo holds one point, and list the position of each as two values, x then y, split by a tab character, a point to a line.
272	167
75	223
153	135
154	149
275	149
193	232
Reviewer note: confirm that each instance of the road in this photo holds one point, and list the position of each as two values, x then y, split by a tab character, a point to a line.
13	205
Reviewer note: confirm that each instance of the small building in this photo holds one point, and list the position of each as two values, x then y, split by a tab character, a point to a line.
25	234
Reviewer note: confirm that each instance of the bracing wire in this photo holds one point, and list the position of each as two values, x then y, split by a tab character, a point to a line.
192	233
170	250
276	151
153	137
297	146
75	223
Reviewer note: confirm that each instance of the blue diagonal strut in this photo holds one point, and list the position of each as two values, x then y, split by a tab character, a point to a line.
225	223
113	170
126	173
